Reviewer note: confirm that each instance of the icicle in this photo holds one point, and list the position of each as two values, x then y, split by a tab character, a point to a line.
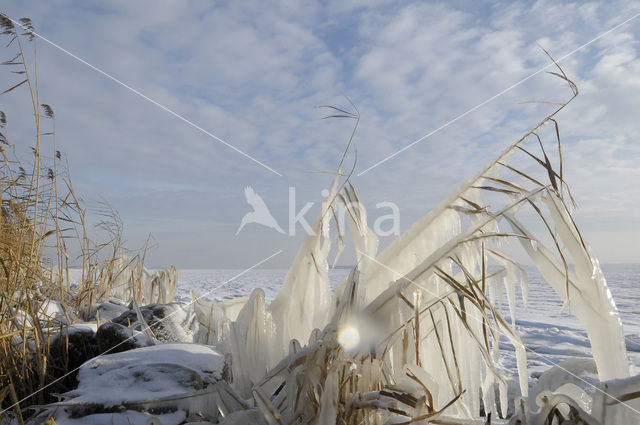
524	286
252	343
510	287
489	392
504	398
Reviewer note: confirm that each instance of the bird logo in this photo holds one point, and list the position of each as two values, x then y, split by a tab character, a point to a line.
260	213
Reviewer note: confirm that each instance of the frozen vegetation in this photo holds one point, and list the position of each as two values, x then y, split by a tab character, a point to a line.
443	325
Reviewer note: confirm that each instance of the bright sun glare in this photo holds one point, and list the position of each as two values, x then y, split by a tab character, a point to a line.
349	337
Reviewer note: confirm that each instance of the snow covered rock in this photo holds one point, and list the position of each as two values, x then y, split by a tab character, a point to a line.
168	322
108	310
149	372
53	313
167	381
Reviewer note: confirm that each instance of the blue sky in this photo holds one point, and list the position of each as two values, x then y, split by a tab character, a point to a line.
253	74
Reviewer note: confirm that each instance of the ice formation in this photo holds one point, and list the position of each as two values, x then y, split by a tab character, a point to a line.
414	332
137	282
426	312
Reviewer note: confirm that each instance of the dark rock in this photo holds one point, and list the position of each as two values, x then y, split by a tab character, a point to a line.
114	338
69	349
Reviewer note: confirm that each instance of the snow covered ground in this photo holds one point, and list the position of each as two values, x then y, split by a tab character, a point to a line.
549	334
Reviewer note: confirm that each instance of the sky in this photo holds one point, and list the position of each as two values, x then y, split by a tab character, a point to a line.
254	74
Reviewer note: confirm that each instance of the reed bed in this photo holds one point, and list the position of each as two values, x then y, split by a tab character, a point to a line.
43	233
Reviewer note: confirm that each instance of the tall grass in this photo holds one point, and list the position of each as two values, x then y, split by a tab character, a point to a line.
43	231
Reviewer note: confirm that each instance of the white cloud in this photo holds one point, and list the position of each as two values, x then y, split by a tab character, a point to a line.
253	73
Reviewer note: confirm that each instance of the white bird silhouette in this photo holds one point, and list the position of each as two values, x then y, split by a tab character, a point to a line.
260	213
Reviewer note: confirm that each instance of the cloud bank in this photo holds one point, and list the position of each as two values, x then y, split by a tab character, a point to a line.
253	74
